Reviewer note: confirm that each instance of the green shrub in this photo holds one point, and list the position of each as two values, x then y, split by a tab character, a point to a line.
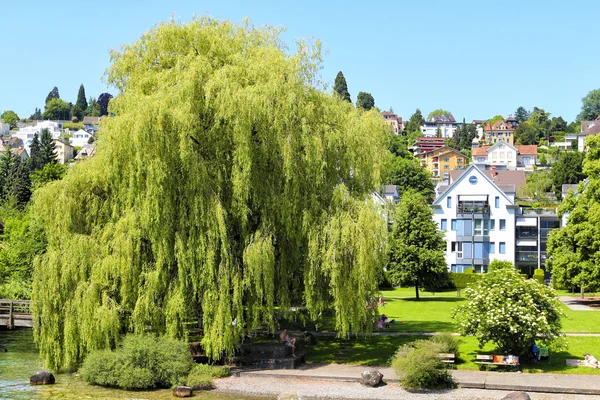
498	264
418	366
538	275
469	270
448	343
201	376
142	362
462	280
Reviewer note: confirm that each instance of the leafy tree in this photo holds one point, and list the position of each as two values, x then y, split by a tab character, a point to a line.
557	124
10	117
495	119
341	88
76	113
365	101
590	109
398	146
439	111
537	185
416	248
57	109
50	172
267	199
52	95
510	311
521	115
48	149
574	250
415	122
408	174
93	109
568	169
526	133
37	115
103	101
81	101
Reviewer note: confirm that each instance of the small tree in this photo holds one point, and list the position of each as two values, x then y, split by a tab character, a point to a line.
341	88
81	101
11	118
47	148
365	100
510	311
416	245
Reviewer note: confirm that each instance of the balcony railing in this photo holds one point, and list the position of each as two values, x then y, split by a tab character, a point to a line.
472	208
531	256
538	211
526	234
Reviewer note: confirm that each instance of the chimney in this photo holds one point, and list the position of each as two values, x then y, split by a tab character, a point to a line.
494	172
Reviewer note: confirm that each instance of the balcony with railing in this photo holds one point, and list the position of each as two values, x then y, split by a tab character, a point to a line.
473	207
538	211
527	256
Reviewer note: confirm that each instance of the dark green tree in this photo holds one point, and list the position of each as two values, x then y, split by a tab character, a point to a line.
413	126
365	101
568	169
557	124
463	136
408	175
93	109
52	95
7	164
18	186
521	115
416	246
76	113
103	101
57	109
48	154
36	158
81	100
590	109
10	117
526	133
37	115
341	88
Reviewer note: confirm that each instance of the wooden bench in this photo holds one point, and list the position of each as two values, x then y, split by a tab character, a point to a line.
503	361
447	358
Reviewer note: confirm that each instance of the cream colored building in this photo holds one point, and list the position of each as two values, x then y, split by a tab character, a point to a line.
63	151
443	160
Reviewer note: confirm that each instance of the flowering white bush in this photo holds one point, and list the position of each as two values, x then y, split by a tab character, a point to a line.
510	311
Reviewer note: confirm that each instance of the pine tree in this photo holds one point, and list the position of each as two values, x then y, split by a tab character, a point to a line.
48	154
52	95
341	88
7	162
81	100
18	185
35	160
37	115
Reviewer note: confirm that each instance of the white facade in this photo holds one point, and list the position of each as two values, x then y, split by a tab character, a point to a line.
503	155
430	129
478	220
80	138
4	128
26	134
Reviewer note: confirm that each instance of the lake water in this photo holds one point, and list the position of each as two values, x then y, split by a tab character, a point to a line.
21	361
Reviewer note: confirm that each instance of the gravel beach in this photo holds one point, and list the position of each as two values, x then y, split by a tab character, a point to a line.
313	389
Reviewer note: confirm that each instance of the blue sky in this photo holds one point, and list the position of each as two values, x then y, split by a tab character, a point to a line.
474	58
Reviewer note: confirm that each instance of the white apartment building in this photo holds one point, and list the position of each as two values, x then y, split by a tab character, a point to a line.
445	125
477	213
80	138
26	133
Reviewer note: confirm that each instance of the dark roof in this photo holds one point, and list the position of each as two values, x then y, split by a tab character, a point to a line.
502	178
91	120
590	127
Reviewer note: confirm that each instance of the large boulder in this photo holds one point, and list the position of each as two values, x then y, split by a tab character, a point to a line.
371	377
517	396
42	378
183	391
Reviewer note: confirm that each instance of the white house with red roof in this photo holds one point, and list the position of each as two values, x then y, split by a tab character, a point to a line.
504	155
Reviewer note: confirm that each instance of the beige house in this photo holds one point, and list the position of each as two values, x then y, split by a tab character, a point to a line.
63	151
504	155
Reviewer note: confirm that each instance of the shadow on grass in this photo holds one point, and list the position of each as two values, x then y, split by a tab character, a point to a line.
421	326
439	299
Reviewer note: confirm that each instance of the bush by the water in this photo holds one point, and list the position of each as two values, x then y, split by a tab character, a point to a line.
201	376
142	362
419	367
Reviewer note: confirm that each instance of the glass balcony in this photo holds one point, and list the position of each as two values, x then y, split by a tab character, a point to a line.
538	211
528	256
473	207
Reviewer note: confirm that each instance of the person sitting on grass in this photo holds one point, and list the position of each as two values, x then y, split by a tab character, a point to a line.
544	353
288	341
385	321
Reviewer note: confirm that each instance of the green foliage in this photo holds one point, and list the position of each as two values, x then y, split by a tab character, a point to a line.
409	175
365	101
462	280
57	109
495	119
15	185
414	124
341	88
463	136
449	344
37	115
499	265
416	249
538	275
439	111
543	160
510	311
10	117
141	362
93	109
52	95
568	169
47	149
81	100
526	133
419	367
537	185
590	109
262	179
201	376
469	270
103	101
76	113
73	126
521	115
50	172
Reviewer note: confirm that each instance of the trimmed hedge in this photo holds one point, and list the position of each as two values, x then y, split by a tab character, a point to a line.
462	280
538	275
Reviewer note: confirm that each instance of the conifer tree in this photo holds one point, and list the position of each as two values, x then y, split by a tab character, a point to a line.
52	95
81	100
341	88
48	148
36	159
221	190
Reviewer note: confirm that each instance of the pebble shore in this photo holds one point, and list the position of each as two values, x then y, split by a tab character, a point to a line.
313	389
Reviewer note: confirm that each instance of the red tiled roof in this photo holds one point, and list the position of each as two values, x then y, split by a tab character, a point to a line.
480	151
529	149
502	177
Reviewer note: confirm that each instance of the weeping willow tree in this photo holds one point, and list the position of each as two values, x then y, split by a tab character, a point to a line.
228	183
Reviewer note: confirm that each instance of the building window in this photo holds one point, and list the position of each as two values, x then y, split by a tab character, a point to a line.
492	247
497	201
446	159
502	248
453	224
444	225
460	160
502	224
492	224
446	166
449	202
